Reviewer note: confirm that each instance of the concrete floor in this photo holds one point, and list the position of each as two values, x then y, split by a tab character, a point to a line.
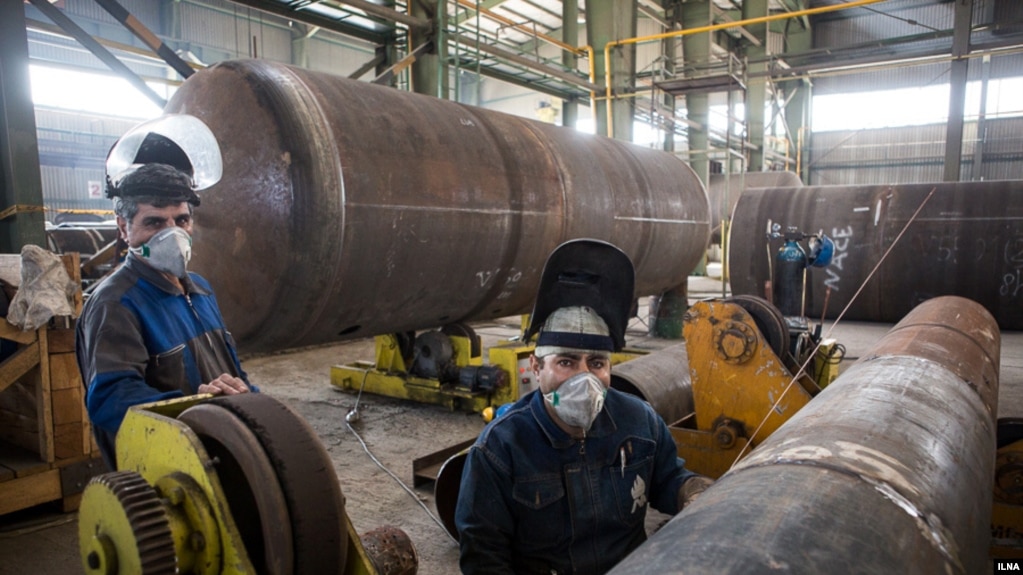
44	542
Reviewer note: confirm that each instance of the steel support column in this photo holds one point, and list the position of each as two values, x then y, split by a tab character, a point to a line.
797	110
429	71
756	94
668	48
21	185
696	48
607	22
570	36
957	89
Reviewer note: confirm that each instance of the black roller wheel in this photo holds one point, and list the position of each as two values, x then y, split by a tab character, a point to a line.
304	474
445	490
258	506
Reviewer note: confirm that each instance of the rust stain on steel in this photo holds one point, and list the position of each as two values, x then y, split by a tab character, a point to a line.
349	209
896	456
966	241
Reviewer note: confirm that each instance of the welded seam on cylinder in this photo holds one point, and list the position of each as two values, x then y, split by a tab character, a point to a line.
929	524
944	327
969	383
447	209
658	220
986	219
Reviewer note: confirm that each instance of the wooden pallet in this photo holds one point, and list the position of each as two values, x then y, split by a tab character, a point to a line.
47	452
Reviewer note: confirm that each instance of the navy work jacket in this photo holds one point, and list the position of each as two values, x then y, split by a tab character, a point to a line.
535	500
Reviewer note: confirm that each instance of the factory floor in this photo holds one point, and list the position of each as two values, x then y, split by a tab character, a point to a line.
45	542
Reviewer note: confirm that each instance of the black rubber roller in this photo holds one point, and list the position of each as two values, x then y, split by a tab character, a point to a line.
306	476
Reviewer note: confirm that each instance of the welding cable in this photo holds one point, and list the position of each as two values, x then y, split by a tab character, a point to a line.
810	357
37	527
400	482
834	357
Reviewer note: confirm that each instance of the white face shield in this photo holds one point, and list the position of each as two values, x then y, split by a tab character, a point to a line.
192	138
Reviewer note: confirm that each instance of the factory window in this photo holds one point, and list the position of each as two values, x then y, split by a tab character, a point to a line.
95	93
912	106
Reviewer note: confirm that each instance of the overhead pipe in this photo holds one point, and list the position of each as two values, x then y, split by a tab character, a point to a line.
90	43
389	14
888	470
711	28
349	209
551	71
474	6
121	14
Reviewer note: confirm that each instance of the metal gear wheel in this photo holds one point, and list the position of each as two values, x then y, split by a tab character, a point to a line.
123	527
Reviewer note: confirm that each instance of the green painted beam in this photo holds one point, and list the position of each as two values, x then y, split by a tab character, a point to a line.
486	5
21	189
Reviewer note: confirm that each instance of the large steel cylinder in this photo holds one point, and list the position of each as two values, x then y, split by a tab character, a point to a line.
724	190
888	470
349	209
966	241
661	378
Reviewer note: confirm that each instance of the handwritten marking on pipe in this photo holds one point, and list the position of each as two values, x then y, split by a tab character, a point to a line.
510	283
841	239
1011	284
485	276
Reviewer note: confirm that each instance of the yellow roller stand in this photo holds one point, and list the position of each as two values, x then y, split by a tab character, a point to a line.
742	390
171	460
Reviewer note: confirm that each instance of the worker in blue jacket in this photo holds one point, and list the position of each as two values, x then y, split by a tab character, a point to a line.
561	482
152	330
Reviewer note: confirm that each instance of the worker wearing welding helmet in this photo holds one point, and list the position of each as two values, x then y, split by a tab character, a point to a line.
152	330
560	483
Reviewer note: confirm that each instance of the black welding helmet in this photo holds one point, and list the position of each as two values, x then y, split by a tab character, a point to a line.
586	273
180	141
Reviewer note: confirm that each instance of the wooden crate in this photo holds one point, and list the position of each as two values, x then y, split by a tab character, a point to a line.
47	452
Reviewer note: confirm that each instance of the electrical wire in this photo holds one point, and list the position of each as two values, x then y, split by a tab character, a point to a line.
38	527
400	482
353	416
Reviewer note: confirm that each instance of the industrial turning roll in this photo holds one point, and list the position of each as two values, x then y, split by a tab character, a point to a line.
349	209
888	470
237	484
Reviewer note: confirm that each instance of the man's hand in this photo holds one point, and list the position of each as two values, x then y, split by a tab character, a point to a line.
225	384
692	488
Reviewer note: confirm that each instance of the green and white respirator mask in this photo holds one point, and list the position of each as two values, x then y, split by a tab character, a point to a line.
168	251
578	400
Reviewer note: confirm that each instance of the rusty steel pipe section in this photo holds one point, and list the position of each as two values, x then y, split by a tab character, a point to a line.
391	551
888	470
966	241
661	378
349	209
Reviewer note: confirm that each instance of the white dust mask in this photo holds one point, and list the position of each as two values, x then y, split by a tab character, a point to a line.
578	400
168	251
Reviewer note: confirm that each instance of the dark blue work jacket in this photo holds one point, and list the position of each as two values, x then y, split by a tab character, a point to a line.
140	339
535	500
